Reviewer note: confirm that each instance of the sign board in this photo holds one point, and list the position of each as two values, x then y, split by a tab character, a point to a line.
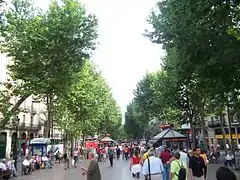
40	141
220	136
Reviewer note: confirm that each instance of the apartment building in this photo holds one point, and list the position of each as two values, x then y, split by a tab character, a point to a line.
215	135
29	123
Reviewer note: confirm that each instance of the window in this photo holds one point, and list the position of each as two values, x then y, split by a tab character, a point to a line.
218	131
226	130
211	119
24	118
233	131
238	130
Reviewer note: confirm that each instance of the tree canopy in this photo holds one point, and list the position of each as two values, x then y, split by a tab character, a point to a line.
201	66
88	108
46	49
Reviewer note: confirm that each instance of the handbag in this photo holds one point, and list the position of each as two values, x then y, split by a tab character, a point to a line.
42	165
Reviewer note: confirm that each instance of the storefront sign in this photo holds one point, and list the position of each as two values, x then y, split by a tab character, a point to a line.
227	136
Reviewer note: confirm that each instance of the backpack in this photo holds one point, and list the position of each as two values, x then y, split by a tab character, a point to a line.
182	174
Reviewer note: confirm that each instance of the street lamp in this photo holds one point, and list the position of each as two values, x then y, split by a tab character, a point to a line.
15	124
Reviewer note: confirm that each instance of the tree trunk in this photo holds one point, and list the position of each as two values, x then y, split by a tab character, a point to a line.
205	144
230	127
47	133
202	116
223	132
52	124
193	127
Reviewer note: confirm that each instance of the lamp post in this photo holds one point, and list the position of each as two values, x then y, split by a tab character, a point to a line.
15	154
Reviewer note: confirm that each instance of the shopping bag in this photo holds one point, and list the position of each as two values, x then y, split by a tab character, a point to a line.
73	162
42	165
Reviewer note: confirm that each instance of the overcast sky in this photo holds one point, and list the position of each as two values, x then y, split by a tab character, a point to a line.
123	55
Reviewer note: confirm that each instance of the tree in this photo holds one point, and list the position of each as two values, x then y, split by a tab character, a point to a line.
89	105
199	36
48	49
132	127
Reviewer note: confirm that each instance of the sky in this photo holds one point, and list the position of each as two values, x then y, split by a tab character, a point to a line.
123	54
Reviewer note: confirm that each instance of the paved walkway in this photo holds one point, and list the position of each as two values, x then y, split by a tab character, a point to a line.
120	171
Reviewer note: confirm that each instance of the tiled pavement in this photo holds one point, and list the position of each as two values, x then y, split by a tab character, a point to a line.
120	171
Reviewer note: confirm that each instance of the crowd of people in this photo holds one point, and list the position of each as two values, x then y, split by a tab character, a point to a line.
152	163
157	163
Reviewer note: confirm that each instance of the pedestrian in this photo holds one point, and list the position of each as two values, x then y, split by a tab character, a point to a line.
183	156
178	168
75	156
126	150
145	155
196	165
224	173
98	153
204	156
152	167
93	171
118	152
135	165
66	157
104	153
110	155
229	159
166	157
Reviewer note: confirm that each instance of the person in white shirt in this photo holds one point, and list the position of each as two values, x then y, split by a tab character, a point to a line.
11	166
229	159
3	166
45	160
26	168
156	166
75	156
183	156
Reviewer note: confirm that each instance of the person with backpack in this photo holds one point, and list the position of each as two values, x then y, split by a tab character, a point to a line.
178	168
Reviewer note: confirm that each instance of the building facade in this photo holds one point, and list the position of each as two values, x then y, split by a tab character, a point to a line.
215	135
29	122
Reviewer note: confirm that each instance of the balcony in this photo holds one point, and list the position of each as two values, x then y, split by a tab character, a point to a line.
216	123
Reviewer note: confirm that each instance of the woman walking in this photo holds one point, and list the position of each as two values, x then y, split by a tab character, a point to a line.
93	171
135	165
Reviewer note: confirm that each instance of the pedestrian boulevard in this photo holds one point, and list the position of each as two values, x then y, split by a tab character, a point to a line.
119	171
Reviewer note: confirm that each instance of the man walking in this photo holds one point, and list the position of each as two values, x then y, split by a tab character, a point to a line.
166	159
196	165
110	155
66	157
178	168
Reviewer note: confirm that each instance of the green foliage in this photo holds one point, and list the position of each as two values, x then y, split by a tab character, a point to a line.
5	104
201	67
88	106
46	49
50	47
153	101
132	126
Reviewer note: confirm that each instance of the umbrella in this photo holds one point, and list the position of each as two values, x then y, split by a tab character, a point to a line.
107	139
168	134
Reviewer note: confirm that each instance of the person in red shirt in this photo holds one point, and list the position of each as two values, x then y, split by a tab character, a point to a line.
166	158
135	165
